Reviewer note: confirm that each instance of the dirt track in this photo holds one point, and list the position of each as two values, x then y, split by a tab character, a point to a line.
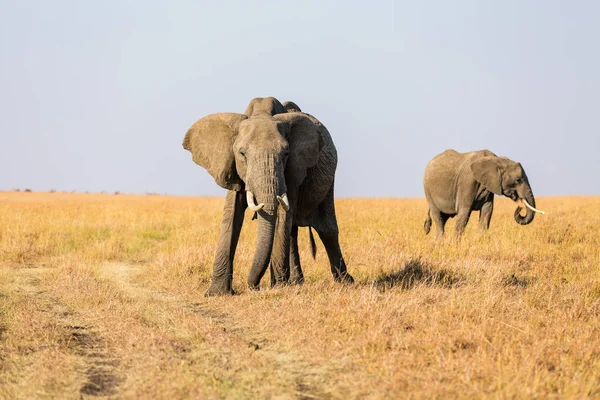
104	367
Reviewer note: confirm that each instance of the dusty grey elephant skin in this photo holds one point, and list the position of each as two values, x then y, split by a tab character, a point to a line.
457	184
280	163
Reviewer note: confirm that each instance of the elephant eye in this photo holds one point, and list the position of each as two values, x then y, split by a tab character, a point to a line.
242	154
518	181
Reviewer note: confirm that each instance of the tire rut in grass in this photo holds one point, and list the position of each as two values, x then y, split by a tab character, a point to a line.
101	372
308	379
100	369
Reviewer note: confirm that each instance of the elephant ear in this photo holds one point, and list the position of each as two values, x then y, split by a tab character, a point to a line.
304	139
210	140
264	105
487	172
290	106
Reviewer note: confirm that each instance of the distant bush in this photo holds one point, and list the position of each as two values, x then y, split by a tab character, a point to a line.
27	190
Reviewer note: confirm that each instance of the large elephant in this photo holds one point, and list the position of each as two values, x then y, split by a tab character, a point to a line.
458	183
283	159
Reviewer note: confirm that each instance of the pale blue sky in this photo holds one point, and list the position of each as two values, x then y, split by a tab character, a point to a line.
98	95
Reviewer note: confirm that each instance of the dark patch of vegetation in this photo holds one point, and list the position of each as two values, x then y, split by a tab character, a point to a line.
513	280
461	345
559	236
417	271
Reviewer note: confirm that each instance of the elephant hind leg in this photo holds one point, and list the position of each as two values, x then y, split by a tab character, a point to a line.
325	223
439	219
331	242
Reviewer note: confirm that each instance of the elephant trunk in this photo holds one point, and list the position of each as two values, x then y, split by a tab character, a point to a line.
264	246
530	199
267	186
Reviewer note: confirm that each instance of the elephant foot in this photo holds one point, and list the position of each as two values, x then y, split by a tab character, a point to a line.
219	290
296	280
296	276
279	284
279	281
279	276
344	277
254	288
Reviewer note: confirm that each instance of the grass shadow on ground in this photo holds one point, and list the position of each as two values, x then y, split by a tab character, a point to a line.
417	271
513	280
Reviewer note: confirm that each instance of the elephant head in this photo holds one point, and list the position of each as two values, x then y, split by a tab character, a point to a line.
264	105
262	152
506	177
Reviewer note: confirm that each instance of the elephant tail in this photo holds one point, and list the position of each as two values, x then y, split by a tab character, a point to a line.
427	225
313	245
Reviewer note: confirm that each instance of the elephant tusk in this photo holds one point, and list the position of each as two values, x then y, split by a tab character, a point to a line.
251	204
532	208
283	200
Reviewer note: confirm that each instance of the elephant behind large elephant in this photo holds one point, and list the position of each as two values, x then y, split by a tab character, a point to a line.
457	184
285	161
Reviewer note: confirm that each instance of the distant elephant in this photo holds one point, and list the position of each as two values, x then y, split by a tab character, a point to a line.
283	159
458	183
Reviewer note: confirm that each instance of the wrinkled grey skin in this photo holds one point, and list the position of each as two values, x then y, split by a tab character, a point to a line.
270	150
458	183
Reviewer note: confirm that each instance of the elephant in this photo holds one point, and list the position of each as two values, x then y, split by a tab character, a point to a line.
284	160
457	184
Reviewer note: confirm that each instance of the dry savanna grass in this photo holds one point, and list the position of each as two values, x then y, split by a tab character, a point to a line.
101	295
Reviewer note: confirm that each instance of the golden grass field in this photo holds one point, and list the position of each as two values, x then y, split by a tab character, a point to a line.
102	295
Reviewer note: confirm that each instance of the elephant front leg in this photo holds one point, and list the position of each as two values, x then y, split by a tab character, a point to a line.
280	261
231	225
296	275
485	215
